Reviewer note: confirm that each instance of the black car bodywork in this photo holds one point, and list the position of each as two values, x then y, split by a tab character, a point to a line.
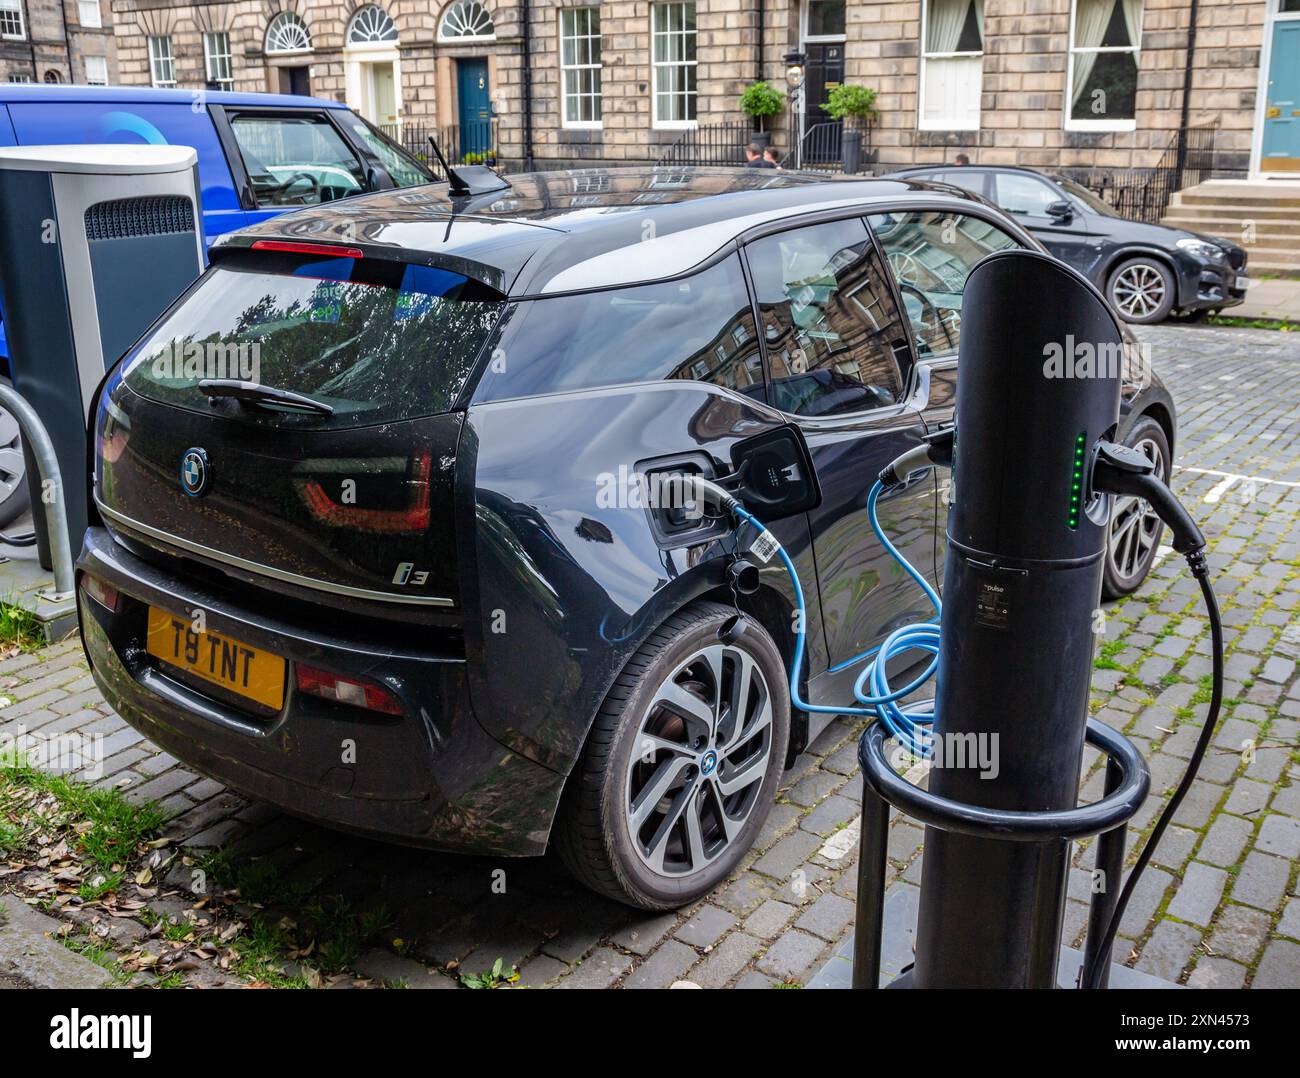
530	590
1083	231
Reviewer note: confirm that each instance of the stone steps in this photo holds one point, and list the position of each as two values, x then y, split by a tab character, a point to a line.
1269	212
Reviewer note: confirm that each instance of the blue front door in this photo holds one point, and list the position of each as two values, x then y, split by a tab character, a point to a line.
1281	146
475	114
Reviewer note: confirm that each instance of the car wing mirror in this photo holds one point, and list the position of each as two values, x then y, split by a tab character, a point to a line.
773	474
1060	210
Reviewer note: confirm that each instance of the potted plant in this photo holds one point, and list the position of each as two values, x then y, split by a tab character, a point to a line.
857	106
759	101
851	102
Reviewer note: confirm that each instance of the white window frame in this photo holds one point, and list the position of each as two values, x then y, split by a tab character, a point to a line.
921	123
568	71
1071	124
92	80
287	18
14	7
210	54
154	61
378	24
96	21
819	39
465	39
655	66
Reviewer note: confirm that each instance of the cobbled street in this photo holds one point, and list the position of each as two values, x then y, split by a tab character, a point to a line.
1218	907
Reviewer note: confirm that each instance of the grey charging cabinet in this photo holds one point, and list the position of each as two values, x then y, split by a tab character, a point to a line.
95	242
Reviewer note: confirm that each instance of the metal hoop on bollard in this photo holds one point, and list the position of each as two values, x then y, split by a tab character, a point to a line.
1127	784
56	516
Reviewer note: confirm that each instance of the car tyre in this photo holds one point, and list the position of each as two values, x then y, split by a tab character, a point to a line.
681	765
14	495
1133	537
1142	290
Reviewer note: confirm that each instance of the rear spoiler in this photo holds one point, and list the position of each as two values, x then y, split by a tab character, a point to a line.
235	244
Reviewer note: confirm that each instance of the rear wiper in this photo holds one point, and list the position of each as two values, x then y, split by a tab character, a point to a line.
256	393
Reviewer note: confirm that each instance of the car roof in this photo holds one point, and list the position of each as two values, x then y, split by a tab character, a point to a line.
580	229
913	170
16	93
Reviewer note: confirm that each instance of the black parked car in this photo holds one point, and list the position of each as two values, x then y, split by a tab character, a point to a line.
398	577
1146	271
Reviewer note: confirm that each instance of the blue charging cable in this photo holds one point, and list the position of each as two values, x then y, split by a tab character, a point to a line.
911	725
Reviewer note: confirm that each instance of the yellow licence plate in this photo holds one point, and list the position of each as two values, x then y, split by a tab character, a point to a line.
235	666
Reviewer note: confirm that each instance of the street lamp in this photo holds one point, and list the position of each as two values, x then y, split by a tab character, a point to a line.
794	79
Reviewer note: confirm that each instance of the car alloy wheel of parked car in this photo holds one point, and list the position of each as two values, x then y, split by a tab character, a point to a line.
1135	529
14	496
1142	290
682	764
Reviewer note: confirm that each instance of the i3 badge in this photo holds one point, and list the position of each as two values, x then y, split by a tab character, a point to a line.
194	472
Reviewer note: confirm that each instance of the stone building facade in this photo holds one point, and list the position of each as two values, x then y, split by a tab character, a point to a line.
1042	83
57	41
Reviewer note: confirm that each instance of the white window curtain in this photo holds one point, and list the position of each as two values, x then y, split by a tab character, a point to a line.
1133	24
944	22
1090	21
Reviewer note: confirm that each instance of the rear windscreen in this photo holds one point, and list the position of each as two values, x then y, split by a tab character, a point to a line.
376	341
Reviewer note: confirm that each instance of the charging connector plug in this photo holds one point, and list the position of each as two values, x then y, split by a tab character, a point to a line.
1117	469
935	450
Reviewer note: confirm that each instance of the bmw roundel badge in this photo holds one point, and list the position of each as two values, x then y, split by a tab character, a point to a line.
195	472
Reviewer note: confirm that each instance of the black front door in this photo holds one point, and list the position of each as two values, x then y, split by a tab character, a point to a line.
824	71
295	80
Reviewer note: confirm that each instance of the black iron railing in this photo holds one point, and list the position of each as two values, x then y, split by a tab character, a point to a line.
461	144
1143	194
710	144
821	149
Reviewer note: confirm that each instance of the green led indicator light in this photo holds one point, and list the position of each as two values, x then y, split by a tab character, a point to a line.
1076	479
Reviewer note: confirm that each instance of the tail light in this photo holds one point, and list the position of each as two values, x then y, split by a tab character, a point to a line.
104	594
356	692
414	518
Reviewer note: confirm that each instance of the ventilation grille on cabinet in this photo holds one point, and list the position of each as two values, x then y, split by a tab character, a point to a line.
154	215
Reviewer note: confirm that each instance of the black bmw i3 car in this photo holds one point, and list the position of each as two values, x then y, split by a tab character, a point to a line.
368	541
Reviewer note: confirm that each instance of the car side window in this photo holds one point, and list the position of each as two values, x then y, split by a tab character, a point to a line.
404	169
1020	194
832	331
968	179
296	160
931	254
698	329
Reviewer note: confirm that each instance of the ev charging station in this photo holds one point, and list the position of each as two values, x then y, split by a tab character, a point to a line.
1034	469
95	242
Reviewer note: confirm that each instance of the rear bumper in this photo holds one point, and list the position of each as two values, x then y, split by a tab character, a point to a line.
430	777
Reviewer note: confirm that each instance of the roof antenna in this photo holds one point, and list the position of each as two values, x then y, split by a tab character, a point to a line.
456	185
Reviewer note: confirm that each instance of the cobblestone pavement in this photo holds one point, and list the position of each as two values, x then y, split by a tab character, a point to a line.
1217	908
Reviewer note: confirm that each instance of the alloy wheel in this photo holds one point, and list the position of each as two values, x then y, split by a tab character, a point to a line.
1134	526
702	752
1139	290
13	468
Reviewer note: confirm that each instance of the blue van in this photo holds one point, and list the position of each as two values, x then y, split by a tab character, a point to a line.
259	155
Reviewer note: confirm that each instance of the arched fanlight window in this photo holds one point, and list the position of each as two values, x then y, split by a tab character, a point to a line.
467	20
371	25
53	77
287	33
